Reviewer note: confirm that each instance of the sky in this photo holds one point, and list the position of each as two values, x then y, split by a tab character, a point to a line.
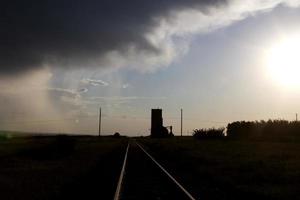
220	61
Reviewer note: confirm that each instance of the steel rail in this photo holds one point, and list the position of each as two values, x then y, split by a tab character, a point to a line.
119	186
167	173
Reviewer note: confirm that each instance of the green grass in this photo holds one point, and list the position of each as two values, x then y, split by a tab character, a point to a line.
60	167
232	169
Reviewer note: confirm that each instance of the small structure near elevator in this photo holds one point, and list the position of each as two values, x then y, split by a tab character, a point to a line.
157	128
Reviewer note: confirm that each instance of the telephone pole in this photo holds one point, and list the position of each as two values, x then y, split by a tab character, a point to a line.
181	121
100	121
296	117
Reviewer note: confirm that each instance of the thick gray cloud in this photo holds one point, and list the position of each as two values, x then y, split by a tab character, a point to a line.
77	33
92	33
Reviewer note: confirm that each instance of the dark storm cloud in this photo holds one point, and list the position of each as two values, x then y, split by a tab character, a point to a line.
102	33
78	33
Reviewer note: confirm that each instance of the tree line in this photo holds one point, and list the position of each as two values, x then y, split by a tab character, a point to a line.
252	129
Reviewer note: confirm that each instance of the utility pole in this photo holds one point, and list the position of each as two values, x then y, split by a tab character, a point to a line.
296	117
181	121
100	121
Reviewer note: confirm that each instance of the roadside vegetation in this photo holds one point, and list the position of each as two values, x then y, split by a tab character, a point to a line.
212	133
232	168
60	167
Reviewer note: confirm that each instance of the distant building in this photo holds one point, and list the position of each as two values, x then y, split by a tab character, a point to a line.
156	122
157	128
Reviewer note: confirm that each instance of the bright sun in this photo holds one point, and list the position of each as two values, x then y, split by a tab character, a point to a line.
283	61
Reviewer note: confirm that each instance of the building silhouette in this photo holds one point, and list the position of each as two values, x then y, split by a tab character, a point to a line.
157	128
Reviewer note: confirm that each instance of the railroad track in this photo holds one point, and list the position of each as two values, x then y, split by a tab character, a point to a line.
142	177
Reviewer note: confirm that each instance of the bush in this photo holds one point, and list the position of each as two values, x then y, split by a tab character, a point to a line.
117	135
211	133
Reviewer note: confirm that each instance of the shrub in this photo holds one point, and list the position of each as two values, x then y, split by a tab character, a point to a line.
208	133
117	135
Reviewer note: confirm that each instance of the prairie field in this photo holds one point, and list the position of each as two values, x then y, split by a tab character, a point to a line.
60	167
232	169
85	167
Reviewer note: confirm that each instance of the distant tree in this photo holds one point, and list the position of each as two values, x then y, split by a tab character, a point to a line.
263	129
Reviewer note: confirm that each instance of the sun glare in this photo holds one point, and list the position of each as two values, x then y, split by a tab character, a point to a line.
283	61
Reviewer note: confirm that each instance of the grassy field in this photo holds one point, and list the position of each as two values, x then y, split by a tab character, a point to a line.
60	167
232	169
